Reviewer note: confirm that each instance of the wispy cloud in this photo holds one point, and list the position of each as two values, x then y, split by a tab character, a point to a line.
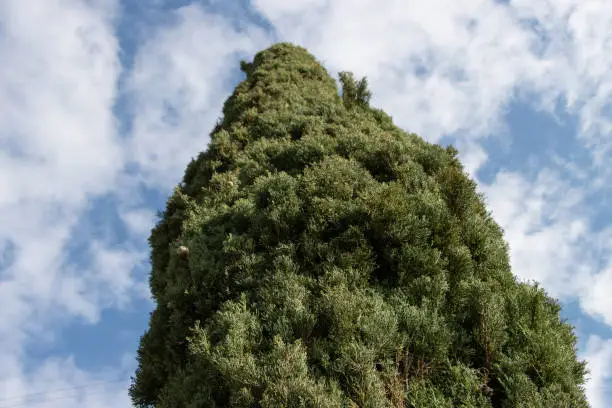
598	354
60	383
59	148
461	60
180	79
546	226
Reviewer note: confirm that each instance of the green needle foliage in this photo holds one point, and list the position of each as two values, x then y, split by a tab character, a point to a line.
315	255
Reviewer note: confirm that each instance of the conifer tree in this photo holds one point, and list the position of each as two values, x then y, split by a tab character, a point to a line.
315	255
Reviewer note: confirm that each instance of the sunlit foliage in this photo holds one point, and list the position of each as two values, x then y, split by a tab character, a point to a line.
315	255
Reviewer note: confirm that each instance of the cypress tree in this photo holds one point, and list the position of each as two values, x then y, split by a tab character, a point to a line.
315	255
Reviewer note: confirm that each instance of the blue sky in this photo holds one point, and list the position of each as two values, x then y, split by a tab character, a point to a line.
104	102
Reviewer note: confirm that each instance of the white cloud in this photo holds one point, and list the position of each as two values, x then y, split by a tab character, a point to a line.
56	102
548	223
60	383
178	85
139	220
578	43
595	287
59	148
598	355
472	157
460	60
58	125
545	224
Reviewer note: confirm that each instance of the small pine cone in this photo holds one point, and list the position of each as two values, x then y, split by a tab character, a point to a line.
182	251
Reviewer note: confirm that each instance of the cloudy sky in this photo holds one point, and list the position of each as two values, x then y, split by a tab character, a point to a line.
103	103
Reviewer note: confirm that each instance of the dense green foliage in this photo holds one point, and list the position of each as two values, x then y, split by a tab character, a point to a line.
335	260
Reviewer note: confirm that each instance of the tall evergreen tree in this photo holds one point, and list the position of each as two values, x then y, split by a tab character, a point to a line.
315	255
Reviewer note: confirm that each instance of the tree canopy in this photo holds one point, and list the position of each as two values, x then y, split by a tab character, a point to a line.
316	255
